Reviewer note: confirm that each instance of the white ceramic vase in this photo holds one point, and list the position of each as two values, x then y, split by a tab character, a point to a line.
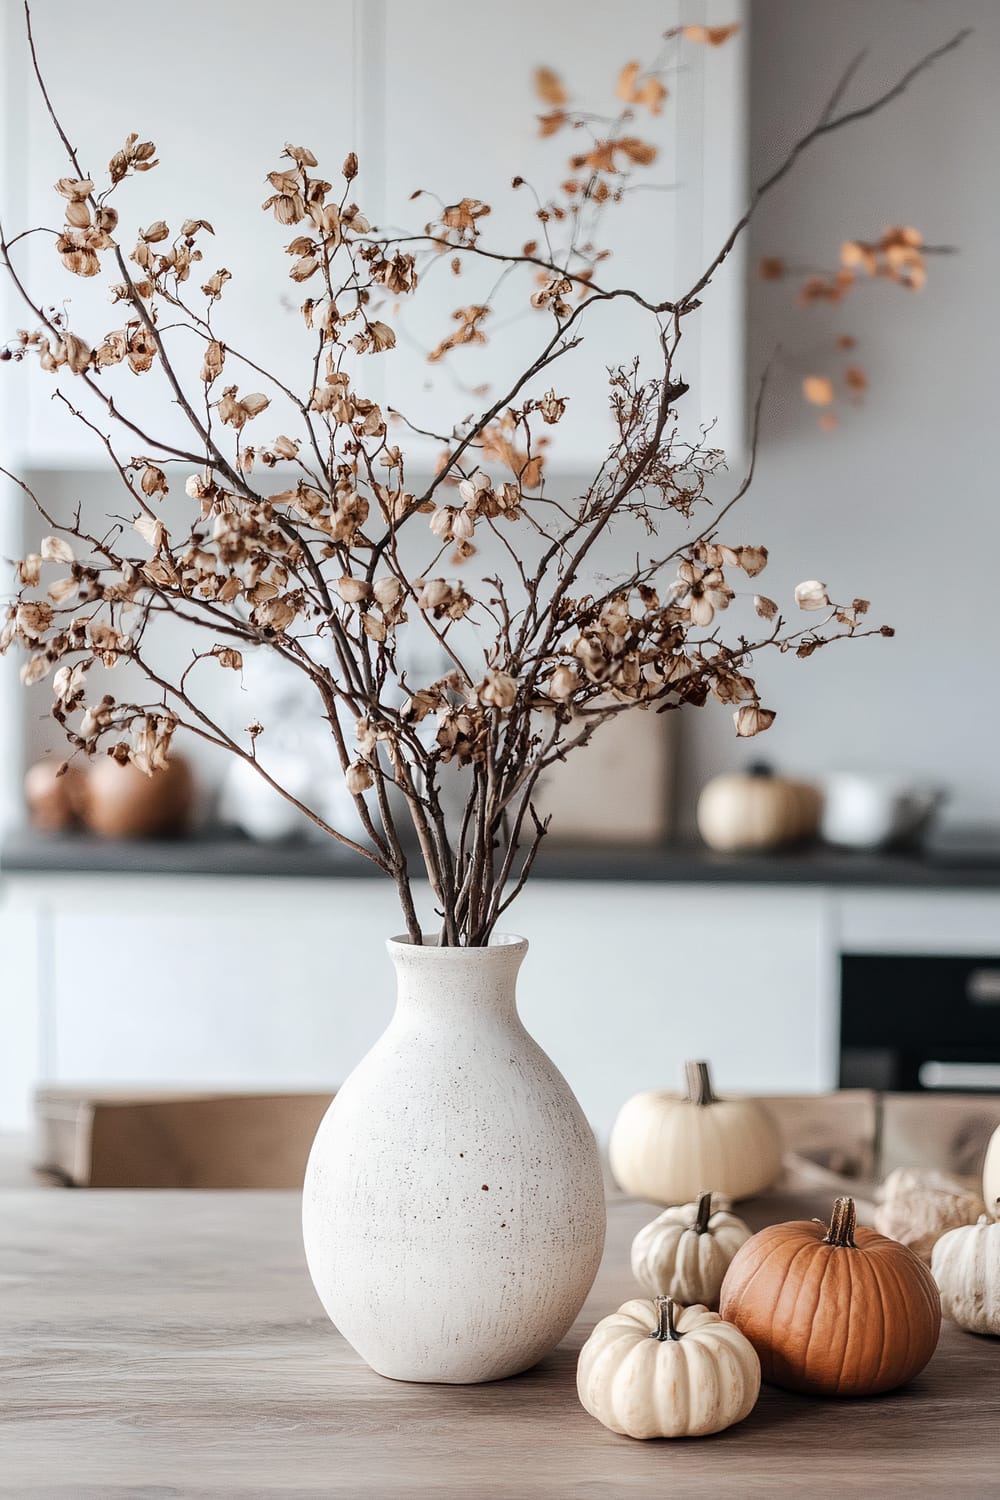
453	1210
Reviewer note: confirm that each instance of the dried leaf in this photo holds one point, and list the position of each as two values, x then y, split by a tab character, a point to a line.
751	719
811	594
151	529
215	358
35	669
549	86
228	656
56	549
712	36
818	389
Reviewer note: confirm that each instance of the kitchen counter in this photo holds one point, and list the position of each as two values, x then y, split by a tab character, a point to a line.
25	852
171	1343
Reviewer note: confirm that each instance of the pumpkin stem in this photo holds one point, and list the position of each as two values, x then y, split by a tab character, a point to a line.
842	1225
665	1327
704	1213
699	1083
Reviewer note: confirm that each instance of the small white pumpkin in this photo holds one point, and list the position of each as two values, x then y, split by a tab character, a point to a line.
653	1369
665	1148
685	1252
991	1174
755	809
966	1266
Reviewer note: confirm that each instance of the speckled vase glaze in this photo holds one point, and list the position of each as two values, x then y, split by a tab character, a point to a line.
453	1211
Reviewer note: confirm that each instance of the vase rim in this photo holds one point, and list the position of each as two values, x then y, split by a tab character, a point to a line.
431	947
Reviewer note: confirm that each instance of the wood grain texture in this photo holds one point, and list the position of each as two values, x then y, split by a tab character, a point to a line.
170	1344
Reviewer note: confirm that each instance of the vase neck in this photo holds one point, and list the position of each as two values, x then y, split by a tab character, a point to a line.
457	984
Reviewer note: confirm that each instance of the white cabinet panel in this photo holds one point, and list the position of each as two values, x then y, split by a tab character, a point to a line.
24	951
219	91
437	95
623	983
219	982
956	922
287	983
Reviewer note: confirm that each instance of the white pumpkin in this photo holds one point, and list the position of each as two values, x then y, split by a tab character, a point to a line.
991	1174
685	1253
755	809
665	1148
966	1266
653	1369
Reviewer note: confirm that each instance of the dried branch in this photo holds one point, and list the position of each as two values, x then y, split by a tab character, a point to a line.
309	545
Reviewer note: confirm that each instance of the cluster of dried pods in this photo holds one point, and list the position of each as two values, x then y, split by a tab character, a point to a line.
311	545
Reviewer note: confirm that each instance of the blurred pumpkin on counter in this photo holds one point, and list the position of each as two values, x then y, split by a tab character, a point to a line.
52	792
111	800
757	809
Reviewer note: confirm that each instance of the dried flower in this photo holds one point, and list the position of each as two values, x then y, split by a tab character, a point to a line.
751	719
811	595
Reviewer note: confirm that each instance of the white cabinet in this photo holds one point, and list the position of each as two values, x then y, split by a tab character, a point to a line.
284	983
438	96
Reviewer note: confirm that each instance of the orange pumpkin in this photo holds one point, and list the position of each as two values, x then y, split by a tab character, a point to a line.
834	1312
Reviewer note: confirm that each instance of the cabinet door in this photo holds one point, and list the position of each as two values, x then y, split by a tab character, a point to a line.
622	983
437	96
219	88
254	983
217	982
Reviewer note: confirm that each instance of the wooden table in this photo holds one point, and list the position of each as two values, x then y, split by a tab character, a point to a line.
170	1344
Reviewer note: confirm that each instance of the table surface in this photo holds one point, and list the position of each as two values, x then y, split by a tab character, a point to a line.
170	1344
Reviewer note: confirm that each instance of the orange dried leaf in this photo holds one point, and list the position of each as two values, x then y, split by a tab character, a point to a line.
550	123
549	86
818	389
712	36
771	268
626	82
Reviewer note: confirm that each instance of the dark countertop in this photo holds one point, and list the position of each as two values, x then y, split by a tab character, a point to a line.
220	853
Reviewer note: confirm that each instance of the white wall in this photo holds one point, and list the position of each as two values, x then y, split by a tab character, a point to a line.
899	505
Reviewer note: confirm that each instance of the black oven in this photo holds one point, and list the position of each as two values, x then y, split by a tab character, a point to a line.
911	1022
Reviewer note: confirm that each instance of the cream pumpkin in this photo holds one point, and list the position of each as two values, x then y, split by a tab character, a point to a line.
966	1267
757	810
653	1370
686	1251
991	1174
666	1148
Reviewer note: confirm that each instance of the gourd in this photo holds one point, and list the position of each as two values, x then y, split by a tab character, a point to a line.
653	1369
685	1253
833	1312
755	809
966	1267
665	1148
917	1207
991	1174
120	801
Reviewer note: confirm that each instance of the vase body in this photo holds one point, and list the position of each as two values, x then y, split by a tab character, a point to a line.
453	1210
